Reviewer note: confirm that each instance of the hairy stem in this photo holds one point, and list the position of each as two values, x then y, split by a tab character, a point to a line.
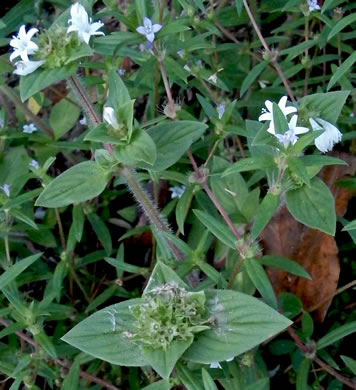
23	108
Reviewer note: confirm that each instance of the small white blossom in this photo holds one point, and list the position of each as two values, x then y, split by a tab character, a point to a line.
6	189
267	115
187	68
213	78
22	44
24	68
2	123
177	191
326	141
29	128
215	365
40	213
82	24
121	71
34	164
221	110
83	121
199	63
180	53
110	118
313	5
148	29
290	136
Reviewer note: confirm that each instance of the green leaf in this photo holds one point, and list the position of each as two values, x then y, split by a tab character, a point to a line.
252	74
350	363
336	335
350	226
183	206
260	280
285	264
101	134
102	335
313	206
164	361
302	375
341	24
327	105
209	384
71	380
118	93
160	385
279	119
188	379
241	323
82	182
101	231
345	66
172	140
42	78
327	4
63	117
46	344
216	227
140	151
264	213
319	160
78	221
16	213
307	325
21	199
290	305
249	164
162	274
297	167
10	274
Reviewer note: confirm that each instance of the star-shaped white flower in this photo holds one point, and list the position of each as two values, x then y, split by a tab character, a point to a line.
6	189
290	136
22	44
177	191
148	29
313	5
326	141
221	110
81	23
34	164
29	129
267	115
24	68
110	118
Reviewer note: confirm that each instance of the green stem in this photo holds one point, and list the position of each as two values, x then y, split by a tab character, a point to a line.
235	272
60	229
18	103
6	239
149	209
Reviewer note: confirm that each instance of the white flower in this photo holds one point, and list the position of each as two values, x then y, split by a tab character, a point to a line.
329	138
24	68
221	110
290	136
213	78
110	118
180	53
313	5
83	121
267	115
121	71
29	128
148	29
40	213
2	123
177	191
22	44
215	365
81	23
34	164
187	68
6	189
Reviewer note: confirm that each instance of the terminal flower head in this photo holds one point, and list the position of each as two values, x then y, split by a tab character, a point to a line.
290	136
148	29
221	110
6	189
313	5
110	118
326	141
29	128
23	68
267	114
22	44
82	24
34	164
177	191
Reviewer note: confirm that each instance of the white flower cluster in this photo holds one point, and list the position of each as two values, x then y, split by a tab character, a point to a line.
313	5
324	142
24	46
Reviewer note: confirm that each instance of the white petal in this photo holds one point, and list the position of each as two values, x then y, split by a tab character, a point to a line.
95	26
14	54
141	30
266	116
31	33
282	102
15	42
147	23
150	37
110	118
300	130
24	56
24	68
269	105
156	27
314	125
293	121
289	110
22	33
72	28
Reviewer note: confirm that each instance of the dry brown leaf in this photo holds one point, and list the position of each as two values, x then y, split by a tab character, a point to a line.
317	252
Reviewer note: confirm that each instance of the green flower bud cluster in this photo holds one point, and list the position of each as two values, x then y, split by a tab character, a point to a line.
56	46
169	313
